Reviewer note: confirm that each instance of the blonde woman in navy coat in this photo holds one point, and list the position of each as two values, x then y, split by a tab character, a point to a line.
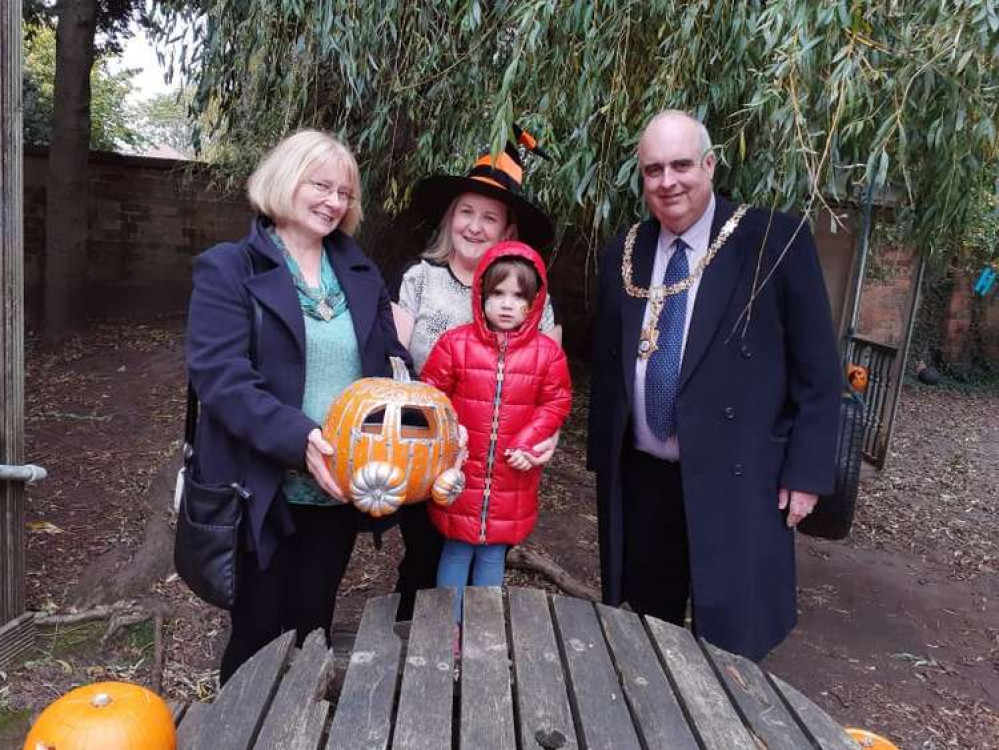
319	317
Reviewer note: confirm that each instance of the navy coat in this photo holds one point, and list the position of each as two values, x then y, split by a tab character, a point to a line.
251	428
757	409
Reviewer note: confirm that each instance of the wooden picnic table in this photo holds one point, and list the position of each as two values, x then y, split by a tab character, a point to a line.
537	671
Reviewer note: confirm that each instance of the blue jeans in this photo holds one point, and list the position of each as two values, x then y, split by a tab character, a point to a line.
456	559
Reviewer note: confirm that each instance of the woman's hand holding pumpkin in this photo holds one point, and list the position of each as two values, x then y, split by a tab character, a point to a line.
518	459
462	447
316	452
543	451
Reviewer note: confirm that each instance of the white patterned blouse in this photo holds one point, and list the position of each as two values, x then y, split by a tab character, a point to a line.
438	302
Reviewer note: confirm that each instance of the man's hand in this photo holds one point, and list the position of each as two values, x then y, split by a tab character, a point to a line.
316	451
799	504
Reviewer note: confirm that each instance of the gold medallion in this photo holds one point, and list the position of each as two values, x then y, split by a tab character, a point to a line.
649	342
656	295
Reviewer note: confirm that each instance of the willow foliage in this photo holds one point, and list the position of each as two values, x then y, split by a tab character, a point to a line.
807	101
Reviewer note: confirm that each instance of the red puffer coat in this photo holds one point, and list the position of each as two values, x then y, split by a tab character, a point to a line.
510	390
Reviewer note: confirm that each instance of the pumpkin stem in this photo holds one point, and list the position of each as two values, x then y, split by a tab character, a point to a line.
100	700
400	373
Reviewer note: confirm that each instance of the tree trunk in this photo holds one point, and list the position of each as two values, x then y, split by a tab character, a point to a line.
67	187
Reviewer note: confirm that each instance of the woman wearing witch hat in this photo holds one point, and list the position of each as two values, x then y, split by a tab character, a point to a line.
472	212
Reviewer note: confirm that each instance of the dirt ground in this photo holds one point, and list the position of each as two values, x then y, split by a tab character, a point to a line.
899	625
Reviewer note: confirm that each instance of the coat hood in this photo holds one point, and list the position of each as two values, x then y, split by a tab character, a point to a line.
510	249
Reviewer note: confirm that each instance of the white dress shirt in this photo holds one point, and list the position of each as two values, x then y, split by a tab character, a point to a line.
697	237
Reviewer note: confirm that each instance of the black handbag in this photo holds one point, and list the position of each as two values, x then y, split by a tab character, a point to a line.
206	552
209	527
833	514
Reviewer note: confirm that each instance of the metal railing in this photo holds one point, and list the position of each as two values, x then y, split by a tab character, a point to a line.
879	359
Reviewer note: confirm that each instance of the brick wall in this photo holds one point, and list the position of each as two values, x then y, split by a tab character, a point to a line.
958	327
146	219
885	302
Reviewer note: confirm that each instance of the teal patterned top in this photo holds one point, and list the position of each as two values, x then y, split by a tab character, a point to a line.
332	362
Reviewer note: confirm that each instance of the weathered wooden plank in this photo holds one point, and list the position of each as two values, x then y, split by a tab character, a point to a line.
363	716
424	720
303	686
544	714
177	710
658	717
11	323
486	698
310	737
761	707
190	725
601	714
16	637
713	716
233	720
818	725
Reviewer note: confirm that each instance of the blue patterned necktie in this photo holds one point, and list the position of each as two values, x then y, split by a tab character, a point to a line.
662	375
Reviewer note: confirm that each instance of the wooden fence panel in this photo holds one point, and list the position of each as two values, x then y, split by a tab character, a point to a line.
11	314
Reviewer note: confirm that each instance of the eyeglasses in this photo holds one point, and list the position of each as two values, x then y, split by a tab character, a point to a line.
326	190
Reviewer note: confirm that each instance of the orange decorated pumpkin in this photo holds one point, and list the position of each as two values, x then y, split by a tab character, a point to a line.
394	441
869	740
857	375
104	716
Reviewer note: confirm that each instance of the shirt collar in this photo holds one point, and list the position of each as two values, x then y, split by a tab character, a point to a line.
698	235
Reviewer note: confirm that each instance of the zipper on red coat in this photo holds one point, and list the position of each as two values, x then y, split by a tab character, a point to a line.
493	438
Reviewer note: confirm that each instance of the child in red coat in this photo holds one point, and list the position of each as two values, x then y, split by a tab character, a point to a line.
510	387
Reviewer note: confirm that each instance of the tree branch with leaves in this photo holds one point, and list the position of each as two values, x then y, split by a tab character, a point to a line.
808	102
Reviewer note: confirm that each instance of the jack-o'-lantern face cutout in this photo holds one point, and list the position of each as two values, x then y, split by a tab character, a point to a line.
392	440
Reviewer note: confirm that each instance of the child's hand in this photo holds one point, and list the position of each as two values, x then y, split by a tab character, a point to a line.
518	459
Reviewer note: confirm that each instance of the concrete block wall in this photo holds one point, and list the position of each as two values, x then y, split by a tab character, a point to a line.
146	219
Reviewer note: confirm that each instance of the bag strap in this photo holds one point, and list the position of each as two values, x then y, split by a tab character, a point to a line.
191	416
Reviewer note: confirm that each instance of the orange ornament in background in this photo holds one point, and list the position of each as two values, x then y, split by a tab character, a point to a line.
105	716
857	376
392	440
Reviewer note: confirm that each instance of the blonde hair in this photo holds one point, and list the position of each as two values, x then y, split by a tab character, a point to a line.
440	249
272	185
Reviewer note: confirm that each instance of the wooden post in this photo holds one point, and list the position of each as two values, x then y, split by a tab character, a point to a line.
13	625
898	374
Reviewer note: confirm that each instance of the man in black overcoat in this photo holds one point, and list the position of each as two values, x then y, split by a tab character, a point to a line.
713	403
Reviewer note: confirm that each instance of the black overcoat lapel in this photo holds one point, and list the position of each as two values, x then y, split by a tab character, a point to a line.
275	289
715	291
359	281
633	308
